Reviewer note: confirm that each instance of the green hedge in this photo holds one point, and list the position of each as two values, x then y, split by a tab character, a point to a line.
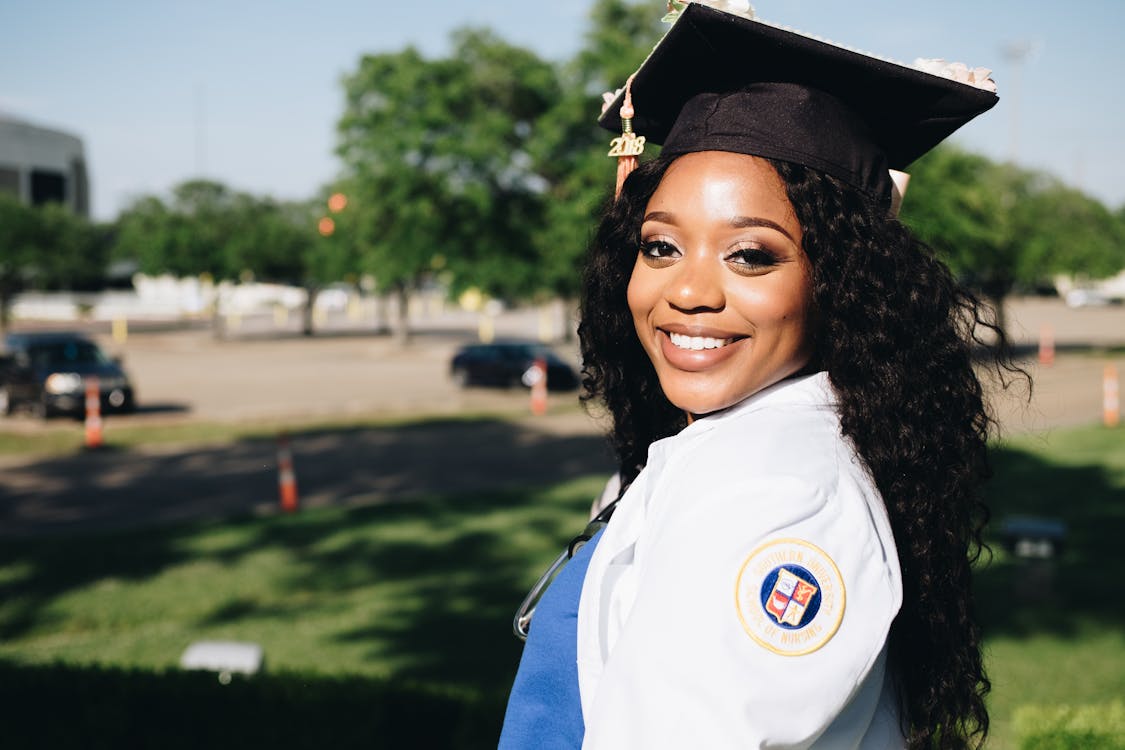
69	707
1096	727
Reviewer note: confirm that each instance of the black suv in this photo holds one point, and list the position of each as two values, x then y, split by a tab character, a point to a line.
507	364
47	373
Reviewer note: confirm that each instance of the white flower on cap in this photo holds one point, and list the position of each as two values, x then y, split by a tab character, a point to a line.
960	72
737	7
734	7
609	97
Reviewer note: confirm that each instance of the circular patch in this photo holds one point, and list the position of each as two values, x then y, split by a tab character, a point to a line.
790	597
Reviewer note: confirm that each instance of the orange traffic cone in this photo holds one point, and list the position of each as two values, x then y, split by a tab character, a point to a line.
93	413
539	387
1046	345
286	476
1111	402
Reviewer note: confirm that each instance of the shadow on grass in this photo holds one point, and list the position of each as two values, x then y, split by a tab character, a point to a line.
454	625
1083	586
115	489
432	511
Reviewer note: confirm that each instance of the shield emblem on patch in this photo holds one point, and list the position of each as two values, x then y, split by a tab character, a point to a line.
790	598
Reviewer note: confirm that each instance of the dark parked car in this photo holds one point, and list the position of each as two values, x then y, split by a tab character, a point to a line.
47	372
509	364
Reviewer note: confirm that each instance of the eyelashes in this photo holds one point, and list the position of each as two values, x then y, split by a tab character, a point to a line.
753	256
742	259
659	250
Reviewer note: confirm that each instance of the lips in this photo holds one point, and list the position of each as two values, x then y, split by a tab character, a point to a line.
697	349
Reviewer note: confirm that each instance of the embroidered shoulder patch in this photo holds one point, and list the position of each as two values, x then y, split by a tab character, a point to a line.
790	597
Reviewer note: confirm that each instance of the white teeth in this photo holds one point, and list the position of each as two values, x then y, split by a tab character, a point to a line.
697	343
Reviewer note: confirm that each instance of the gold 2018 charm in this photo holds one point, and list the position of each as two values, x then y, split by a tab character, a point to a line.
629	144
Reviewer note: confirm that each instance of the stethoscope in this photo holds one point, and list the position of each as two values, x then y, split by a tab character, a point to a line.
522	621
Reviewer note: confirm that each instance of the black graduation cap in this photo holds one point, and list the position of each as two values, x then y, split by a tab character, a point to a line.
723	82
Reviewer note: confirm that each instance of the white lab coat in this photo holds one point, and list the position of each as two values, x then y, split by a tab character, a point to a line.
675	646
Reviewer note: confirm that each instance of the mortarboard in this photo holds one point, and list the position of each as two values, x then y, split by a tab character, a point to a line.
722	82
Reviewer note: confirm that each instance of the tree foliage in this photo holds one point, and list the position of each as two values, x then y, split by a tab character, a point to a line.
570	149
205	228
437	165
47	247
999	226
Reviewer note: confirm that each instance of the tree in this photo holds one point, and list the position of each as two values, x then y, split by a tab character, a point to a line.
72	252
144	234
1073	234
268	240
436	157
570	149
47	247
999	226
208	229
184	237
18	238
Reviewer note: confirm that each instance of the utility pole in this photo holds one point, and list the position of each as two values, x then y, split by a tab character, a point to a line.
1015	53
200	130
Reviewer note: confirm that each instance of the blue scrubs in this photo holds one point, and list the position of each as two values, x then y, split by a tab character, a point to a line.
544	709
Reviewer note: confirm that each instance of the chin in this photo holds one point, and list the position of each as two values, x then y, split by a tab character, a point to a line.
700	397
702	404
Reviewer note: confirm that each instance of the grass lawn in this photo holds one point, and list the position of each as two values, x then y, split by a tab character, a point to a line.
1055	630
424	589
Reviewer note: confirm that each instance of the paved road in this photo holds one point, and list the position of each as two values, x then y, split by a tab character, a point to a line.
291	381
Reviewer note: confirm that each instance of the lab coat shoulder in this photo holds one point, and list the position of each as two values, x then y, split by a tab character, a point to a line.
776	465
758	504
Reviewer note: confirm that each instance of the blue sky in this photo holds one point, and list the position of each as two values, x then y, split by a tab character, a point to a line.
248	92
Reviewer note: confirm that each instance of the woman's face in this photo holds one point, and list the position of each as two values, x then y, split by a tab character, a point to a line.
721	291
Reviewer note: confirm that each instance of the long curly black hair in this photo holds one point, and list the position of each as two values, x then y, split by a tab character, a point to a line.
896	334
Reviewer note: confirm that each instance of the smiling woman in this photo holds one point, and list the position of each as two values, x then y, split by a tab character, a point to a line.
799	429
721	292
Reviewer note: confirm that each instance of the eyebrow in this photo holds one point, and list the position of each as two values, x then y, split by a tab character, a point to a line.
738	222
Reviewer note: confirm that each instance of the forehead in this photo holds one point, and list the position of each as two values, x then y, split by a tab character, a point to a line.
723	183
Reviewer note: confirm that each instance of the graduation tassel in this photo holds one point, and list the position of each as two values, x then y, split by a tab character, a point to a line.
629	145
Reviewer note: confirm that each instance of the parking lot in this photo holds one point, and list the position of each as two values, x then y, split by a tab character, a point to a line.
258	372
258	376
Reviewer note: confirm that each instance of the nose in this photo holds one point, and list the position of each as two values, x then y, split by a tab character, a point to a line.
696	284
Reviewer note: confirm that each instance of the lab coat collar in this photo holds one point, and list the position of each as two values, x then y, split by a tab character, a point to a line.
806	390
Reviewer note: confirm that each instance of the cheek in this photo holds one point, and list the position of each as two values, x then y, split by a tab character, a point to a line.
785	308
640	293
767	304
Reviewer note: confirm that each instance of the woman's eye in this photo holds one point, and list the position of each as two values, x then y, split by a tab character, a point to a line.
658	250
752	257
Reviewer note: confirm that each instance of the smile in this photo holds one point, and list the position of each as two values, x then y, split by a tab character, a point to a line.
697	343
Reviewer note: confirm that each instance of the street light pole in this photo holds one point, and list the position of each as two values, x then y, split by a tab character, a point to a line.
1015	53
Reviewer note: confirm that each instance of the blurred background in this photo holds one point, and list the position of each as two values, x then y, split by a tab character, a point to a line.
290	419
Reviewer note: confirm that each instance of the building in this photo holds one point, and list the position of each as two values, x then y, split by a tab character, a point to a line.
42	165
